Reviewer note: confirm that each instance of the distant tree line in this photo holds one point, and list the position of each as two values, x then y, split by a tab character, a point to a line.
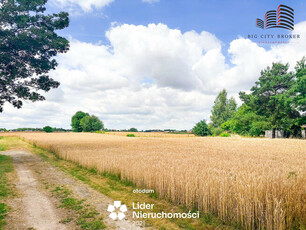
276	101
45	129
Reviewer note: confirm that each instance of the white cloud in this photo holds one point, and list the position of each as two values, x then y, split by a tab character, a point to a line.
150	77
150	1
164	55
85	5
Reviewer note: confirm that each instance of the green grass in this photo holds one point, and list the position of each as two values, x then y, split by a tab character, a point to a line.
3	211
2	147
87	217
6	166
130	135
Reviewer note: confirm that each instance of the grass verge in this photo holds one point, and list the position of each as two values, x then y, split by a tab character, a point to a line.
87	217
6	166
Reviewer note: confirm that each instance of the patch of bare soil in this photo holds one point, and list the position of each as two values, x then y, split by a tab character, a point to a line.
36	208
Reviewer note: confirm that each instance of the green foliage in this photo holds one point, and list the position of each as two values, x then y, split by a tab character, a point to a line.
75	121
28	45
223	109
247	122
101	132
130	135
215	131
48	129
91	123
83	122
201	129
225	134
258	128
300	86
133	130
270	97
226	126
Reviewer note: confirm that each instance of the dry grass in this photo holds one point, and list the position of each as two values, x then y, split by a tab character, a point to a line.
259	183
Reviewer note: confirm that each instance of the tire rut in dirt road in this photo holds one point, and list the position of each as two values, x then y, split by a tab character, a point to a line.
37	210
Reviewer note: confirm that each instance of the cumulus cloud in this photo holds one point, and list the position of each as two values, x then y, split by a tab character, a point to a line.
150	77
86	6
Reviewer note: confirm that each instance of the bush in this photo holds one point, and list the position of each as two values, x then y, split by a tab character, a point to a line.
101	132
224	134
258	128
226	126
130	135
201	129
48	129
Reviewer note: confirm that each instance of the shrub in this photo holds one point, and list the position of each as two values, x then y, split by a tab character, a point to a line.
130	135
216	131
226	126
102	132
258	128
48	129
224	134
201	129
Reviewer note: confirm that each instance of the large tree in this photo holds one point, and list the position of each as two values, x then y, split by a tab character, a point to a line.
223	109
270	96
91	123
76	121
246	122
299	99
28	43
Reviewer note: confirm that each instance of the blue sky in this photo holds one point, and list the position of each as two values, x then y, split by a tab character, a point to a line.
156	65
226	19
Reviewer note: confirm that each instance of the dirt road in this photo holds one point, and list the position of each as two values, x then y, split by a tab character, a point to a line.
36	208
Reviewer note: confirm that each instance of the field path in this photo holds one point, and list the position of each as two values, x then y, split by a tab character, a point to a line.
36	208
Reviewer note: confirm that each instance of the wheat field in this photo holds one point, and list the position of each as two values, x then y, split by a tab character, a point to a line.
258	183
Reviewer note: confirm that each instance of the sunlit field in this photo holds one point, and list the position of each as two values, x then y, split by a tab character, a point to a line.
255	182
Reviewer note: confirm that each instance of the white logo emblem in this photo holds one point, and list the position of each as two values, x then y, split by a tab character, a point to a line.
117	210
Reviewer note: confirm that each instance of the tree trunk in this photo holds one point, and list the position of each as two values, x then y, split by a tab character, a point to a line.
273	132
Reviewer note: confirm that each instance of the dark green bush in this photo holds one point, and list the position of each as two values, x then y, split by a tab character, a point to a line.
201	129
